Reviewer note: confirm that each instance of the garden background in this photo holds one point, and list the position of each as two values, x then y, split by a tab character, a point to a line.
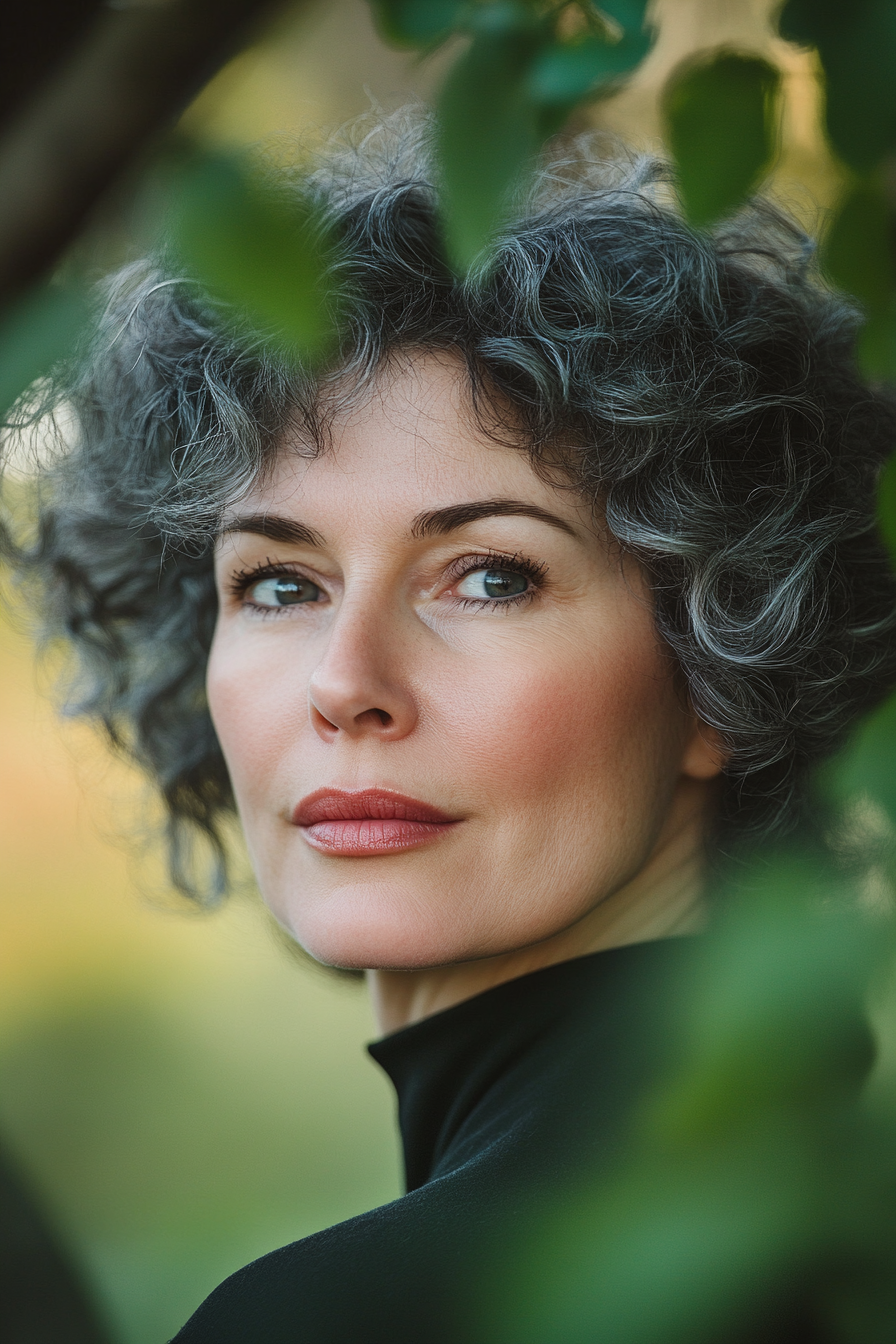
183	1090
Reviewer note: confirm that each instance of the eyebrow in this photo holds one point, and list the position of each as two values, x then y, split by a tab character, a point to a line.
275	527
438	522
432	523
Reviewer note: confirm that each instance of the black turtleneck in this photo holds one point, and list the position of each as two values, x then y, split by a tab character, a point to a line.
506	1098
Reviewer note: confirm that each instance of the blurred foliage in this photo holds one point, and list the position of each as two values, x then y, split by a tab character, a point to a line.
525	66
261	252
857	47
759	1161
757	1165
35	334
754	1165
416	24
864	769
721	118
86	97
887	496
860	256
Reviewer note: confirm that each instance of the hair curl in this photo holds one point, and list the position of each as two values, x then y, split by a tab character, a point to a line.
702	389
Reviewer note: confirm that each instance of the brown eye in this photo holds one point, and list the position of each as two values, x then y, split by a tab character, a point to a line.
491	584
285	590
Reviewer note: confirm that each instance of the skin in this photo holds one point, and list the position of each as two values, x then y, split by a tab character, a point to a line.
553	728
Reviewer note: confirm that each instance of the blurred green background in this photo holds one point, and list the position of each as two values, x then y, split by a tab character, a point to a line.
184	1095
183	1091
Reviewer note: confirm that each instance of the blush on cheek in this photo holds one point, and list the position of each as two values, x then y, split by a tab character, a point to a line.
581	760
584	722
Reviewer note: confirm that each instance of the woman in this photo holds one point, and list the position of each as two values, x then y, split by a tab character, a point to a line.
546	593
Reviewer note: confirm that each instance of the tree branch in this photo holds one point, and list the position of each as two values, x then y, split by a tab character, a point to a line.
133	74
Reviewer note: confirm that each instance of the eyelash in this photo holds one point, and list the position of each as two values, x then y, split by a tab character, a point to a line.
241	580
534	570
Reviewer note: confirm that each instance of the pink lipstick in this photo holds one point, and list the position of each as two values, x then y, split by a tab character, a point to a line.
369	822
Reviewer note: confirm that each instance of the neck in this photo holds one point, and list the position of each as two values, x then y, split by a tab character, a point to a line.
665	899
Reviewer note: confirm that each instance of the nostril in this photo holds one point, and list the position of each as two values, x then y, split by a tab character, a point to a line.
323	723
340	712
375	717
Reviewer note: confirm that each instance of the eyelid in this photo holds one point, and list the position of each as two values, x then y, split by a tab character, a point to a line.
239	581
535	570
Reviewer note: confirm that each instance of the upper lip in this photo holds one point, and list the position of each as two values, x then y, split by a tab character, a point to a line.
329	804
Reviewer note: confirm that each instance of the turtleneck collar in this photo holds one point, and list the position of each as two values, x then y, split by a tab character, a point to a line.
533	1055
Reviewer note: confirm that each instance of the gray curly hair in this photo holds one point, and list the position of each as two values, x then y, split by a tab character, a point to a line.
701	390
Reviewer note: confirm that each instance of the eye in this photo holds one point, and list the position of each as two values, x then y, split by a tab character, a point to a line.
489	584
283	590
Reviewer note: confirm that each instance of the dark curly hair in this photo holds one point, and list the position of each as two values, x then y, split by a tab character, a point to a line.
701	390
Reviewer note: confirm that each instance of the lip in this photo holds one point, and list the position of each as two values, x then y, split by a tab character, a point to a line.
368	822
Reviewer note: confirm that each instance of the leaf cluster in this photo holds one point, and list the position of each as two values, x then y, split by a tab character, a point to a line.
755	1159
755	1181
856	46
755	1164
523	68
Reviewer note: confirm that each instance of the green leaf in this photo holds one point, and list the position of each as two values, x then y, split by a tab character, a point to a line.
488	129
857	46
631	15
729	1178
40	330
418	23
565	72
790	961
508	92
720	118
886	506
866	767
260	252
859	255
672	1253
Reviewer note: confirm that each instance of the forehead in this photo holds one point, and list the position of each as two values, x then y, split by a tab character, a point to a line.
410	444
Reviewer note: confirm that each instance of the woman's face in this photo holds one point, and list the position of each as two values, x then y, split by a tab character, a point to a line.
451	728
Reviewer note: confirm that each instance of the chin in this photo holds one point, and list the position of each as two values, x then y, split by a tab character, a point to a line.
376	946
360	932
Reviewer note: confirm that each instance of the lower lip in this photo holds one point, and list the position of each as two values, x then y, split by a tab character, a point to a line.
367	836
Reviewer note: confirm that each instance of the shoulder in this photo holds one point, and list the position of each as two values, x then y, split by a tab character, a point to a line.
390	1275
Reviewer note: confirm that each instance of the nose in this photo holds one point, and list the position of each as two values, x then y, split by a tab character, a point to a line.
361	687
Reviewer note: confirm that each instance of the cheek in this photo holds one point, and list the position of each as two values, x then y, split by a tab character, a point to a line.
594	738
254	705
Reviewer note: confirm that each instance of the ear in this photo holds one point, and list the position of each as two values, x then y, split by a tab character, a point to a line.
705	754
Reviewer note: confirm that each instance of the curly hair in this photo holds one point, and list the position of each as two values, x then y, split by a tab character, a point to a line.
700	389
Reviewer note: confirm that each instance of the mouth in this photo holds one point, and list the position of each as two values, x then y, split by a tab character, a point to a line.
369	822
